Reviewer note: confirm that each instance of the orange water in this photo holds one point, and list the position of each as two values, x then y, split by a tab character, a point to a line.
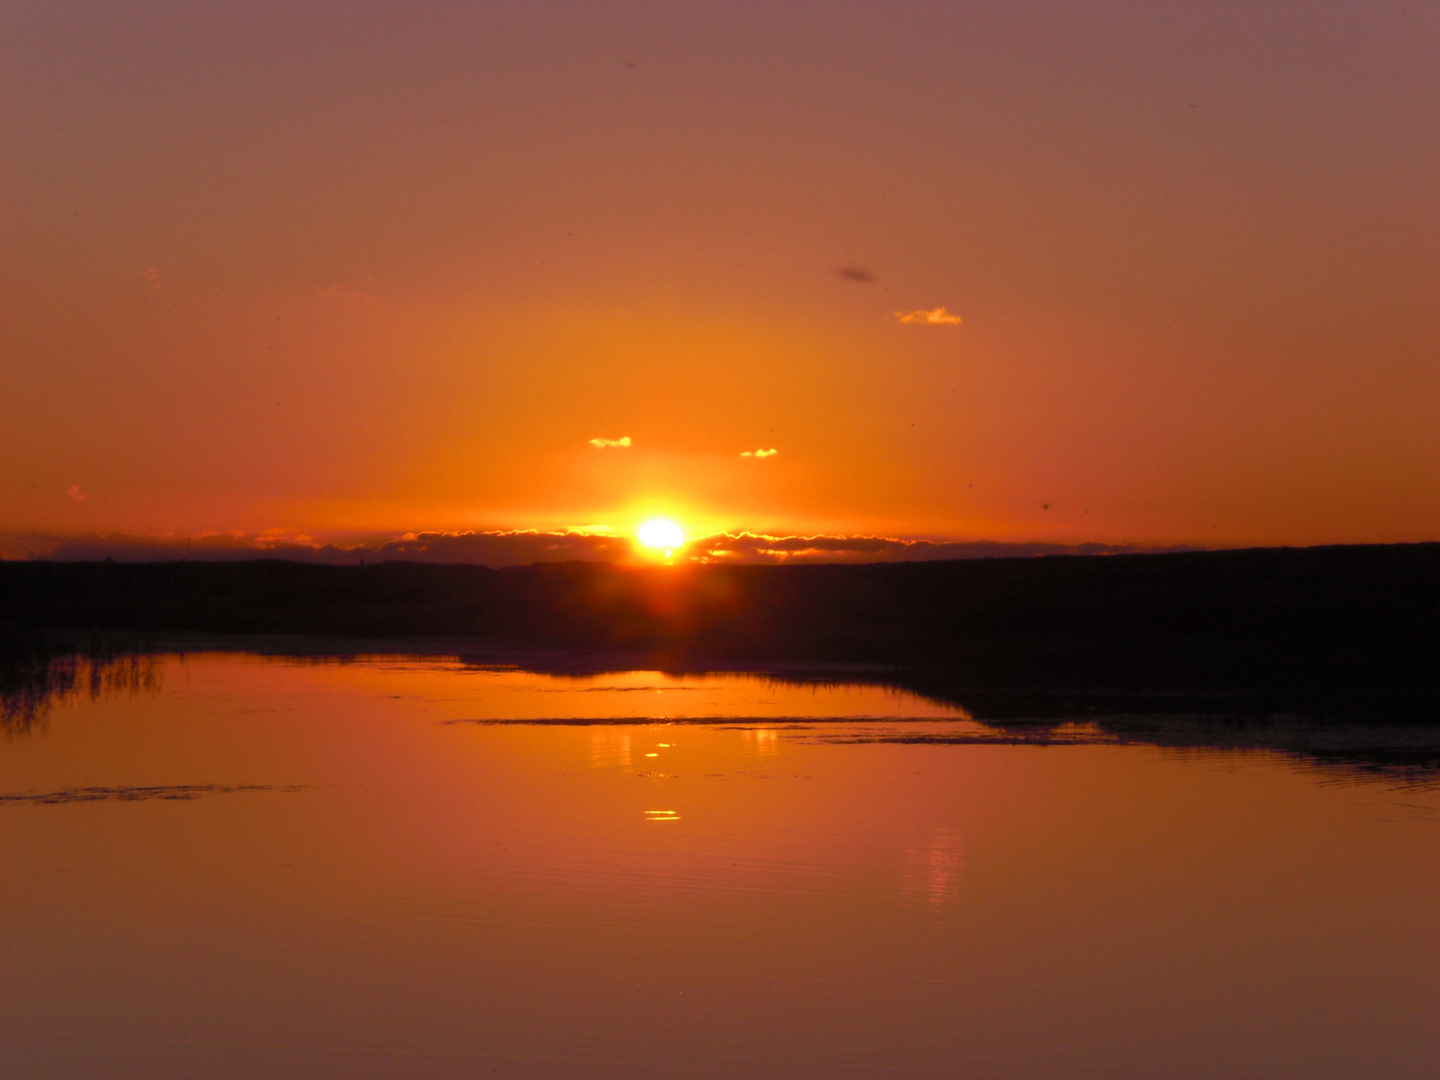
406	896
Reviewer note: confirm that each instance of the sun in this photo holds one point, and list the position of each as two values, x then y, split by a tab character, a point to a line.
662	534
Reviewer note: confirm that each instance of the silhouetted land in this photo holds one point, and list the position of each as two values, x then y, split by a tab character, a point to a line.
1343	622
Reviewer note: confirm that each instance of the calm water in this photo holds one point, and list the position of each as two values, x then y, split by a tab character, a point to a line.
260	868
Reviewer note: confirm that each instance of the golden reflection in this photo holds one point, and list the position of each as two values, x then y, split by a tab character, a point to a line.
609	748
661	815
765	741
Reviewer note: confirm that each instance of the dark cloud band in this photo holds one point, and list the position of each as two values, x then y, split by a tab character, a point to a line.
523	547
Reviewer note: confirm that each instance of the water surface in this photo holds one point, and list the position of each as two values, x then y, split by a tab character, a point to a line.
230	866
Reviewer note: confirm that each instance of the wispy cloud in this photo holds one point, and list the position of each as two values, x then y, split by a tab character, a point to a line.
75	493
856	273
937	317
621	443
759	453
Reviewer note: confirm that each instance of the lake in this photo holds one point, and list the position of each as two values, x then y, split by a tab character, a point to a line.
232	865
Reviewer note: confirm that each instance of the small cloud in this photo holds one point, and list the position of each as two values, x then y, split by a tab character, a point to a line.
621	443
856	273
759	453
938	317
152	277
75	493
273	537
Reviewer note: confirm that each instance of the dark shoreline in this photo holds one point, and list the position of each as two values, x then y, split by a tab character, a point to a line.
1338	634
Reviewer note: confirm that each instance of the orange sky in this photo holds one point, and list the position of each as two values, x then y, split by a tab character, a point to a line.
368	268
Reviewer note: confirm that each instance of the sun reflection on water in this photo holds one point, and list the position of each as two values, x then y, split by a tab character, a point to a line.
609	748
764	742
934	873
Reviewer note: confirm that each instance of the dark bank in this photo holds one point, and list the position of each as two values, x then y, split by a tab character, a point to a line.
1032	636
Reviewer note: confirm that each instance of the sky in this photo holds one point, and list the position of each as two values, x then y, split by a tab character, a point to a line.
1123	274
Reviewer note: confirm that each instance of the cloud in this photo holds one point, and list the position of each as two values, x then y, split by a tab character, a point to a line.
75	493
855	273
515	547
521	547
752	548
622	443
501	547
937	317
759	453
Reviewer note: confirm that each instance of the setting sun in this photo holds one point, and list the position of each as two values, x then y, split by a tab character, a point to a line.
661	533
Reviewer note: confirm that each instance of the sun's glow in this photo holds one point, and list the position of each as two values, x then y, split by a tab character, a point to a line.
661	533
